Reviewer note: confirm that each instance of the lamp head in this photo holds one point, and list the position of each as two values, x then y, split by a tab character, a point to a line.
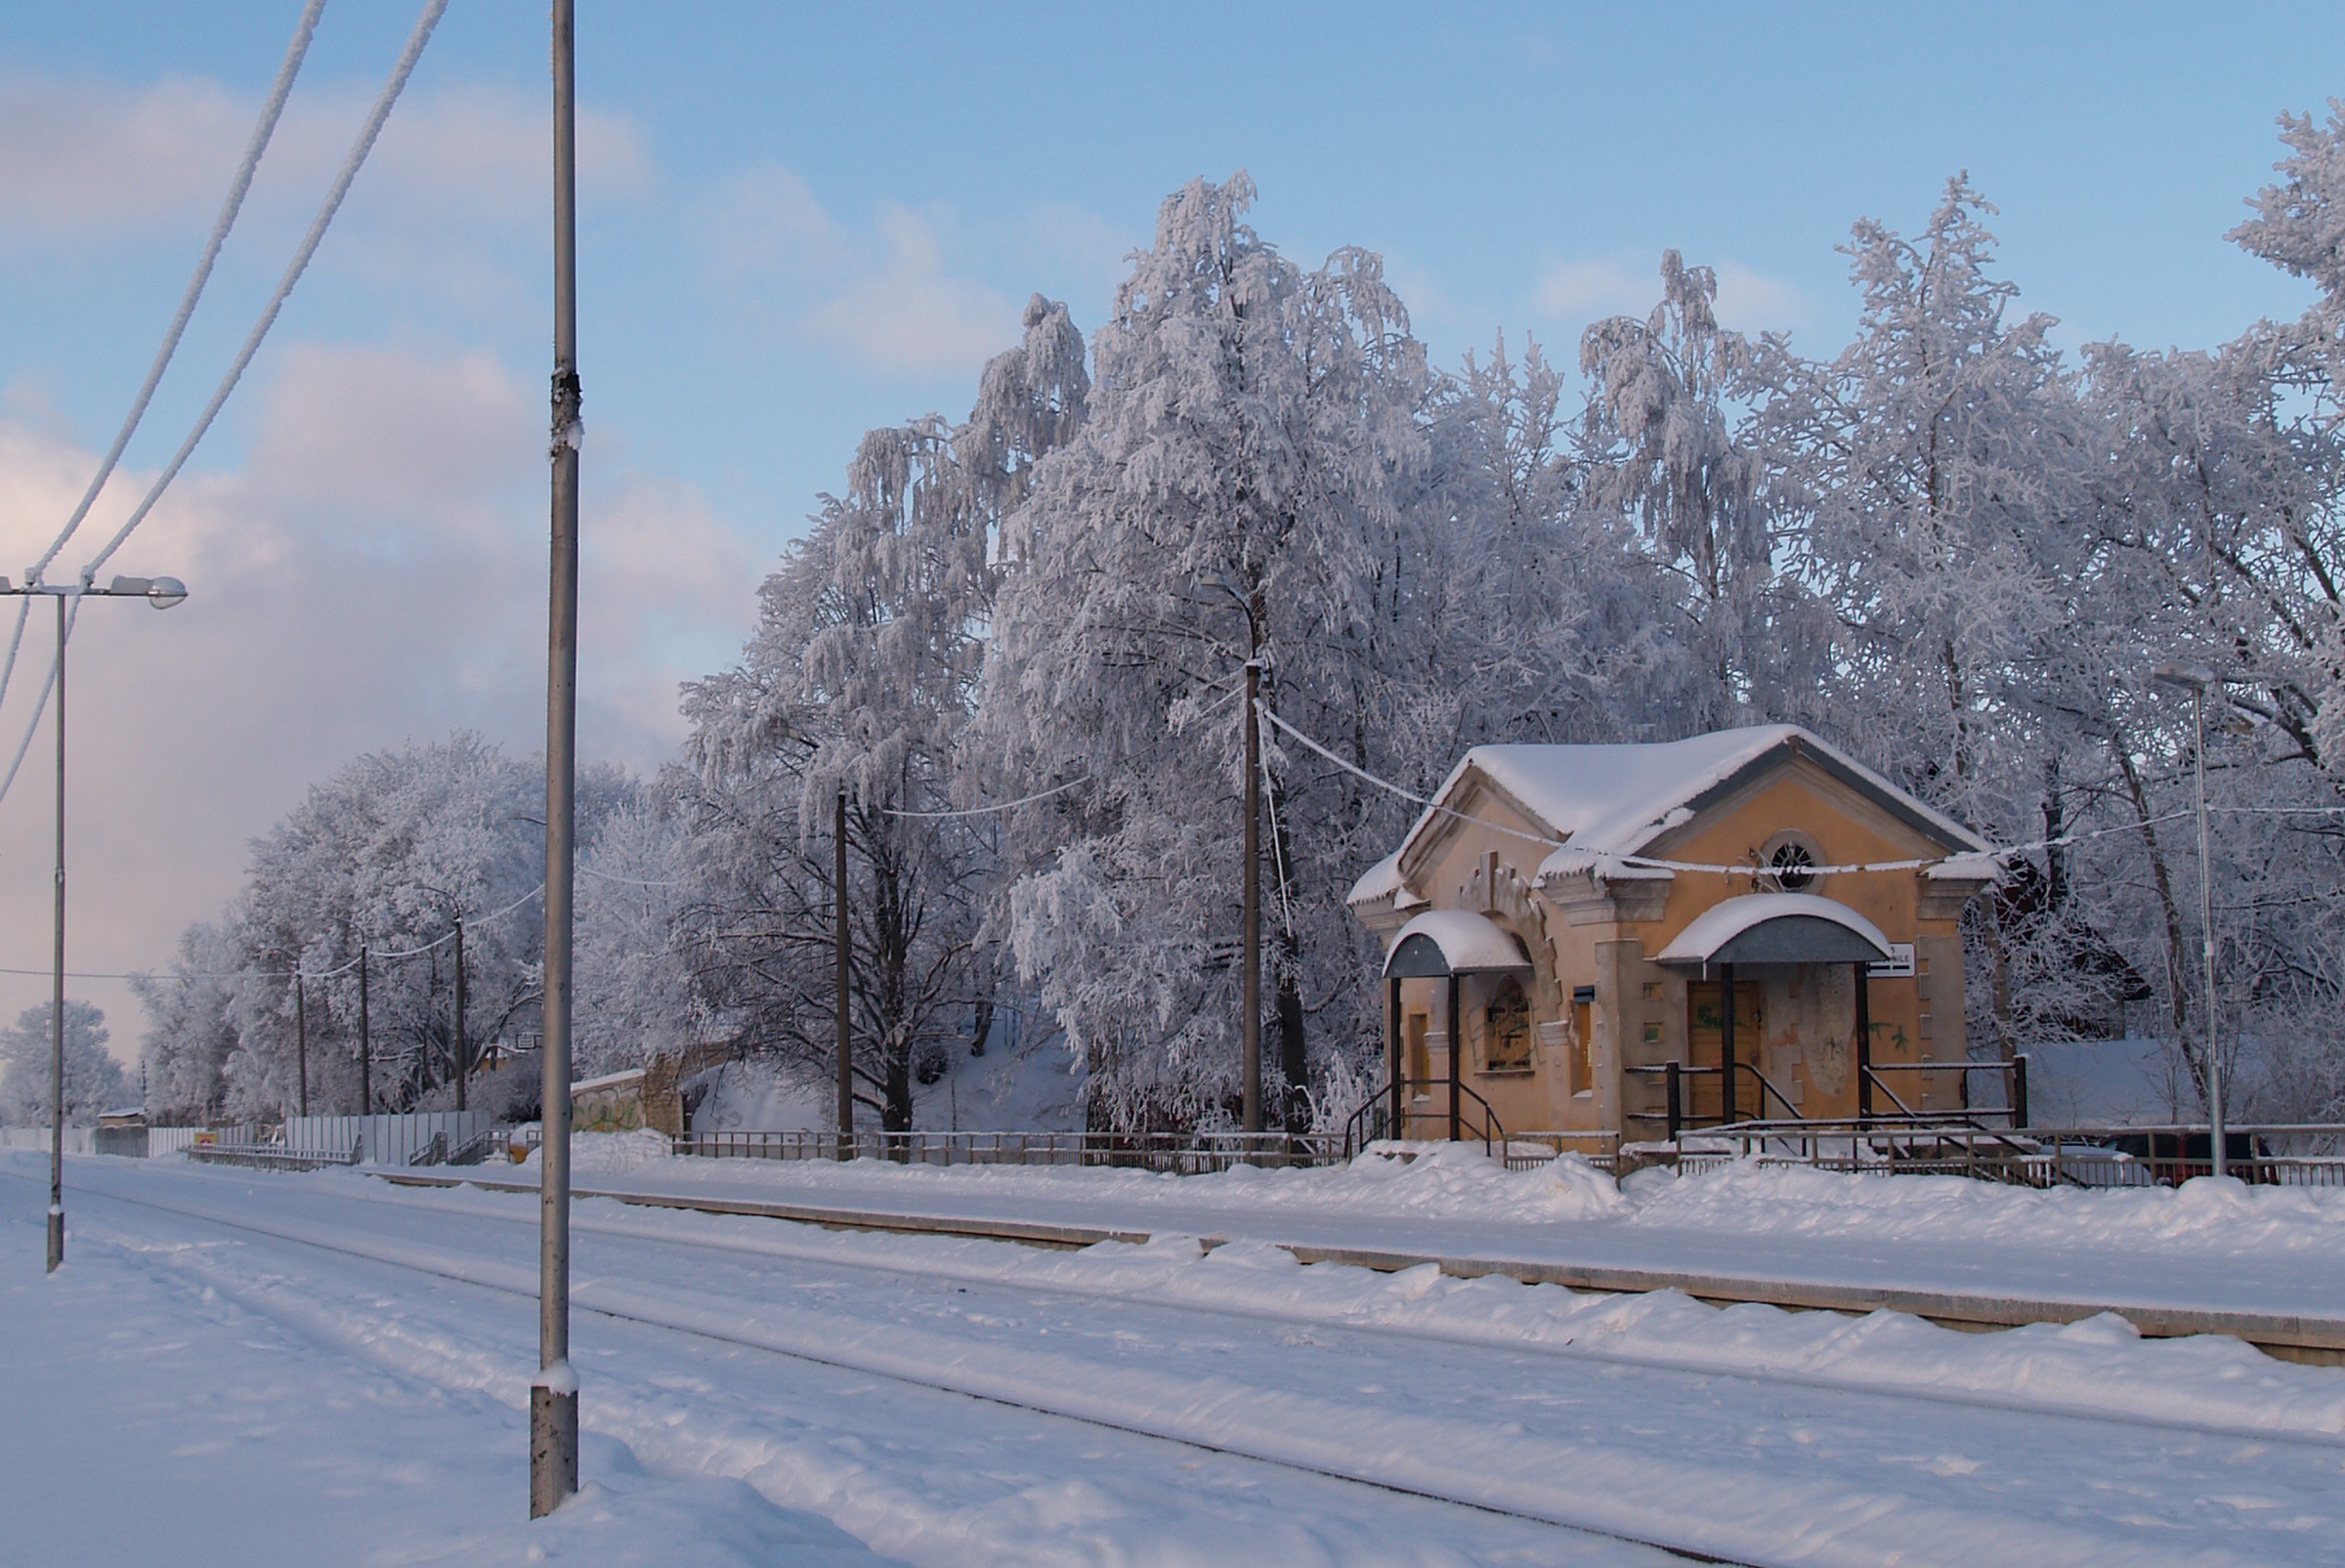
161	592
2185	677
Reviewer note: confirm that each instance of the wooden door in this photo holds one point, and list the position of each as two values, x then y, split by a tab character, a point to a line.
1705	1037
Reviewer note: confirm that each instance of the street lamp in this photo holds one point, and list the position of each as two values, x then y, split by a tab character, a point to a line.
164	593
2198	681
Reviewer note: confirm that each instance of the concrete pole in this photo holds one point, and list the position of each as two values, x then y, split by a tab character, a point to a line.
2206	939
1251	1036
57	994
843	975
554	1396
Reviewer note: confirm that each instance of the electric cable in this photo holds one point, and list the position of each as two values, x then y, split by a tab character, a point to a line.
295	51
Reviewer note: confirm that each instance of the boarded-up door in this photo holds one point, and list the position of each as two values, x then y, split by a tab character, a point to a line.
1705	1035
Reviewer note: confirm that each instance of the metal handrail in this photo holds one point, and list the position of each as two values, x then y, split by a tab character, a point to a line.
1356	1126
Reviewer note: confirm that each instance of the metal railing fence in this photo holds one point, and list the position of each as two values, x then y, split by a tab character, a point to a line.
1180	1153
2273	1154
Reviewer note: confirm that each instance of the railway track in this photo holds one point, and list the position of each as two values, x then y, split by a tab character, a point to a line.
1298	1432
484	1278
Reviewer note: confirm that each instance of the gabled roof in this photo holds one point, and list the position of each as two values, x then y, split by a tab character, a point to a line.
1611	800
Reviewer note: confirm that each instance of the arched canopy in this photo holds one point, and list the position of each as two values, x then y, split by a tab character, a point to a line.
1453	942
1778	928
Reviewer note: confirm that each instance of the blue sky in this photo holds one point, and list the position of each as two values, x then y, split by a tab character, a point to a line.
801	221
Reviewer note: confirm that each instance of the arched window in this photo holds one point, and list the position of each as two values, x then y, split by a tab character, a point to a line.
1506	1028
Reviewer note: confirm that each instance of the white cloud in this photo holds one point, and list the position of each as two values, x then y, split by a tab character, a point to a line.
1753	302
84	159
884	297
81	158
1577	290
1584	290
374	572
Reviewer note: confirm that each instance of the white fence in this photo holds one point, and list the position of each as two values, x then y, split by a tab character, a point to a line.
388	1140
77	1139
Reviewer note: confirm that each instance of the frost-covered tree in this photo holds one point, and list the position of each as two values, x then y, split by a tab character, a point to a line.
94	1082
634	994
387	856
859	683
1229	495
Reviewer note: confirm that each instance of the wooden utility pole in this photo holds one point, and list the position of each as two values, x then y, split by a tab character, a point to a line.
301	1039
844	1019
1251	1036
462	1055
365	1054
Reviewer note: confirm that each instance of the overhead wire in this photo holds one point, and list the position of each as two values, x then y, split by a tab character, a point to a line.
265	128
1655	862
359	149
425	22
296	51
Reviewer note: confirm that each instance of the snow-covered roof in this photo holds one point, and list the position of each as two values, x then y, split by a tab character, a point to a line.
609	1080
1381	880
1453	942
1805	929
1611	800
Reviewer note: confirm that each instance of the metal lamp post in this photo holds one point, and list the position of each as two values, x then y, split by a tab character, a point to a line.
164	593
554	1396
2198	681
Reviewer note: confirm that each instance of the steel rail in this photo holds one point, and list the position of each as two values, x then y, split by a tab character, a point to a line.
2285	1337
1412	1332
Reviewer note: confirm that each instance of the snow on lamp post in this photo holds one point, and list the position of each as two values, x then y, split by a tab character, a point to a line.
164	593
2200	681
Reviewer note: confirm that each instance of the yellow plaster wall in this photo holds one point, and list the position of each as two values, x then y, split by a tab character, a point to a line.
1639	1013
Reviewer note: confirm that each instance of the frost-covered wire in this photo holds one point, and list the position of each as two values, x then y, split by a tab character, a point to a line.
1653	863
265	128
424	23
978	811
366	955
625	881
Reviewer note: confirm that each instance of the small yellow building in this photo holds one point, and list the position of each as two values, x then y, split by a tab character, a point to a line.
1774	918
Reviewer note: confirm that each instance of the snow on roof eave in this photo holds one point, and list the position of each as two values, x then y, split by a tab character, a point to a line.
1437	806
1721	924
1381	880
1468	943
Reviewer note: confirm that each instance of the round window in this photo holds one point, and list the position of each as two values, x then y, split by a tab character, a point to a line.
1794	867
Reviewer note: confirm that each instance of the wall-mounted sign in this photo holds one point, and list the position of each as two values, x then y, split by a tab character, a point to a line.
1898	967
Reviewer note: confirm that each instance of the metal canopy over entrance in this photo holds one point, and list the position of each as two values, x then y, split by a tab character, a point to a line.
1777	928
1454	942
1444	944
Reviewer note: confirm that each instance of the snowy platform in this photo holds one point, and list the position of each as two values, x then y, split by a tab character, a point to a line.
2266	1264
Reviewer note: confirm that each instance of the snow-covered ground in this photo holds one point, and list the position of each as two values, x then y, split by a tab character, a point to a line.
2205	1246
244	1368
